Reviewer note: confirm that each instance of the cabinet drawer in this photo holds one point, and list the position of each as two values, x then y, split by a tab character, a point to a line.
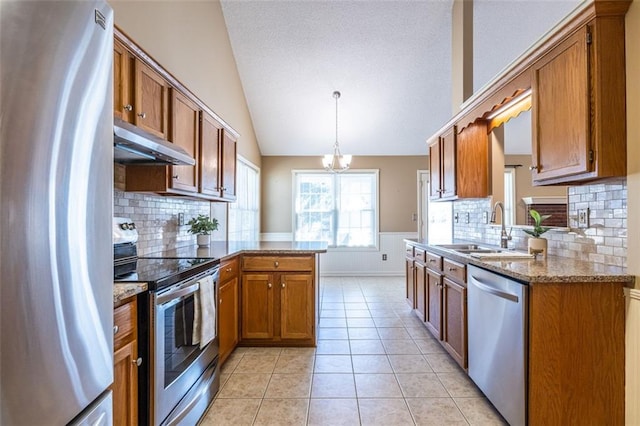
228	269
434	261
124	324
409	250
277	263
455	270
420	255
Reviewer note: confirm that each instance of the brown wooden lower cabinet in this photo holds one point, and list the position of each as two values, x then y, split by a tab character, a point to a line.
434	303
454	333
125	365
278	302
420	274
228	318
410	278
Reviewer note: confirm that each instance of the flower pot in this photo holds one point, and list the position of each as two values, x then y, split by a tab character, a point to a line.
538	246
203	240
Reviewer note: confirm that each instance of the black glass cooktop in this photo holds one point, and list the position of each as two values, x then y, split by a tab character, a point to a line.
163	272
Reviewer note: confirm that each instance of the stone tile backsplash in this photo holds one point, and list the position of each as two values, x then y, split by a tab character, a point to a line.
155	216
604	241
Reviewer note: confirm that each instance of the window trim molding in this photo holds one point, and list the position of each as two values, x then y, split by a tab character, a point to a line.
376	237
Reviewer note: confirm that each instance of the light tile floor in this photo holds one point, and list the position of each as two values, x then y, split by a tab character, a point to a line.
375	364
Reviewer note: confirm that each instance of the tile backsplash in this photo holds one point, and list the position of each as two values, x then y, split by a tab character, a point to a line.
155	216
604	241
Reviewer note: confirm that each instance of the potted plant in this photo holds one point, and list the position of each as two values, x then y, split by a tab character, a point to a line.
536	244
202	226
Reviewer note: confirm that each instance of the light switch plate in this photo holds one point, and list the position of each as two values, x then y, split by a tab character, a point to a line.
583	218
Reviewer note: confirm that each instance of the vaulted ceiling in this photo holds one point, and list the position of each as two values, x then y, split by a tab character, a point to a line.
391	60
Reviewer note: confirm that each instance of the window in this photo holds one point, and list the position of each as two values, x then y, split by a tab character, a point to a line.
244	214
509	196
341	209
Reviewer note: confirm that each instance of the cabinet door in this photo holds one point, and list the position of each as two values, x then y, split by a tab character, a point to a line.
185	132
435	175
296	306
410	283
421	291
561	114
125	385
434	303
228	172
210	134
257	306
150	109
455	321
122	83
448	179
228	318
472	160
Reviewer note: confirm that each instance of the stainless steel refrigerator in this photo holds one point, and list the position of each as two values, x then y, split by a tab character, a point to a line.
56	176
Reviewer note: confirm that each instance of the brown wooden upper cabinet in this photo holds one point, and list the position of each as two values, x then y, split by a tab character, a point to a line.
442	166
140	94
185	132
150	98
579	106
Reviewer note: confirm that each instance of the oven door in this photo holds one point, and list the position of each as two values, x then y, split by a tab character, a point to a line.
178	362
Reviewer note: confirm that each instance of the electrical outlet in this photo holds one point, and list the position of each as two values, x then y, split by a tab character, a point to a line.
456	217
466	217
583	218
384	257
485	217
180	219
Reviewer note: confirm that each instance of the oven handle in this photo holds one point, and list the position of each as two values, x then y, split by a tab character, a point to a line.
177	293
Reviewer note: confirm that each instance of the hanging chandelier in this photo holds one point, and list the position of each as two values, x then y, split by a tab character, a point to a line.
336	162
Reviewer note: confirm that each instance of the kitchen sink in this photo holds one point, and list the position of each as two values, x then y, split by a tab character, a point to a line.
477	250
458	247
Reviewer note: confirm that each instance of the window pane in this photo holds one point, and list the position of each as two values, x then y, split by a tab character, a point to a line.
339	209
244	214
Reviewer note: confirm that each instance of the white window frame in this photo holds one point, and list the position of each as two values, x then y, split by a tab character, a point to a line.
249	164
509	196
376	237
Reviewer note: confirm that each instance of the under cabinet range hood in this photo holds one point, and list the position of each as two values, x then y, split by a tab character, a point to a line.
133	145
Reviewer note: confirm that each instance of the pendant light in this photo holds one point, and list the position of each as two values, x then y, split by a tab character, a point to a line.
336	162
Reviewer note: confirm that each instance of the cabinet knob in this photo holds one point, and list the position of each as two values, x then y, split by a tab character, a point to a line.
142	115
269	285
220	302
276	264
176	177
533	168
137	362
432	261
228	269
452	269
127	107
115	329
282	285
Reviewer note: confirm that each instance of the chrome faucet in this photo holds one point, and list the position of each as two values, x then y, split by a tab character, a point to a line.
504	237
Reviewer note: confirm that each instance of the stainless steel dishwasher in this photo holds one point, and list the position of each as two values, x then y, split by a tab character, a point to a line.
497	308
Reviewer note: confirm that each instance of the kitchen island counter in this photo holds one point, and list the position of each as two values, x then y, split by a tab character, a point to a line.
223	250
553	269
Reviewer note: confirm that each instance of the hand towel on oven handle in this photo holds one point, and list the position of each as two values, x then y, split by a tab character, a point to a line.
204	315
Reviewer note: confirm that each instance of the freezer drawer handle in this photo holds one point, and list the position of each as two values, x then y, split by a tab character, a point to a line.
489	289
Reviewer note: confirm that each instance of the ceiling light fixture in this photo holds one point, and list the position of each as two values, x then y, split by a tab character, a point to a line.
336	162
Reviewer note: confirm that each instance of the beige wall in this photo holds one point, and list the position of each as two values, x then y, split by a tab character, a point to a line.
190	40
633	211
398	189
524	188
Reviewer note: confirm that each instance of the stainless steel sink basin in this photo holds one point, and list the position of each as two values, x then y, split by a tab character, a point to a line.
459	246
477	250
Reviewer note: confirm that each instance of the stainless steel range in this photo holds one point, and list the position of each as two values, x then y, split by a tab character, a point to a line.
177	333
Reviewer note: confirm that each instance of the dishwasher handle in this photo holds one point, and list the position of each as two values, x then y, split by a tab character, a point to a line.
492	290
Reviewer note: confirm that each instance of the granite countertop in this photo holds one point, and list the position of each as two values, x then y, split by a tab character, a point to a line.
553	269
122	291
221	250
225	249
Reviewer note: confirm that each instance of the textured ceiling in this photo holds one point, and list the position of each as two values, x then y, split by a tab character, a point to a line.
391	60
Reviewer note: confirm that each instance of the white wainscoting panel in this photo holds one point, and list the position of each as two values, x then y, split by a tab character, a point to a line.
368	262
632	367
